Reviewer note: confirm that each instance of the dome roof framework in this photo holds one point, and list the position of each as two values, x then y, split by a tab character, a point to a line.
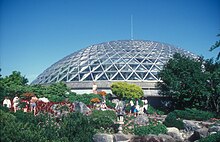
127	60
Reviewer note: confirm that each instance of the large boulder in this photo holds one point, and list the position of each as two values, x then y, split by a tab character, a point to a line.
175	133
122	137
152	138
81	107
198	134
214	128
191	125
141	120
103	138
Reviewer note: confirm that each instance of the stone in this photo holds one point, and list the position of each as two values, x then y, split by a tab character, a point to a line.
214	128
198	134
141	120
152	138
174	133
103	138
191	125
120	137
81	107
166	138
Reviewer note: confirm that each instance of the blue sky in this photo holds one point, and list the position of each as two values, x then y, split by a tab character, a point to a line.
34	34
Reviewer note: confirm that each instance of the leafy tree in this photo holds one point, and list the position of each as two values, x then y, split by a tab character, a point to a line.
125	90
13	84
184	81
216	45
213	85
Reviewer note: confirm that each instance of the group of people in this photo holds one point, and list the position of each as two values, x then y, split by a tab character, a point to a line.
16	101
136	109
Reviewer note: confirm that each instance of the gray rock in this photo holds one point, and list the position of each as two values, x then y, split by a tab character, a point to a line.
191	125
175	134
122	137
198	134
214	128
141	120
152	138
103	138
166	138
81	107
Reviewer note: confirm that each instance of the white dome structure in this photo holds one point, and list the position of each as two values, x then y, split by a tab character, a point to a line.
134	61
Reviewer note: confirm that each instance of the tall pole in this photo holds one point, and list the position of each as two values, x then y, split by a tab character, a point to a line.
132	36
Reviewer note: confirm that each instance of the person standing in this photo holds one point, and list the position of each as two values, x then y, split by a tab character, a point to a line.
7	102
15	103
33	104
94	88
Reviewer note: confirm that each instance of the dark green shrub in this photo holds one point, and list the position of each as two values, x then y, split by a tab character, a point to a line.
103	121
194	114
172	121
152	110
150	129
76	128
211	138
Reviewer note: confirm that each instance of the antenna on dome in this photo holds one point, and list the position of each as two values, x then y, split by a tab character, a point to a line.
132	36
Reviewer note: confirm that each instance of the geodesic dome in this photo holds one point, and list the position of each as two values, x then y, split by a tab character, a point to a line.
123	60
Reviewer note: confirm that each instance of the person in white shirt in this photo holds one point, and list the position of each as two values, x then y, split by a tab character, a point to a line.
15	103
94	88
7	102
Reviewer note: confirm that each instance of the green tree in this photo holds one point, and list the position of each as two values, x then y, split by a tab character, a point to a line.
213	85
216	45
126	90
13	84
184	81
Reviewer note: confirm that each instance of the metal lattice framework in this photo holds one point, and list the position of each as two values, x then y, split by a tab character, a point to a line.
127	60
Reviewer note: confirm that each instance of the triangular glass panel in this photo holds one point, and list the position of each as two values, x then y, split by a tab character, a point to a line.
126	74
118	77
110	74
105	66
89	77
119	66
93	67
148	66
64	79
103	77
126	68
107	62
152	60
120	61
139	59
83	68
133	77
159	62
133	61
141	68
76	78
155	69
141	74
99	69
70	76
96	74
149	77
156	75
114	60
146	61
112	68
133	66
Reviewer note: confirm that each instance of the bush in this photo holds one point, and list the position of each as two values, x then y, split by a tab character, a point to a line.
85	98
194	114
172	121
152	110
211	138
76	128
150	129
103	121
